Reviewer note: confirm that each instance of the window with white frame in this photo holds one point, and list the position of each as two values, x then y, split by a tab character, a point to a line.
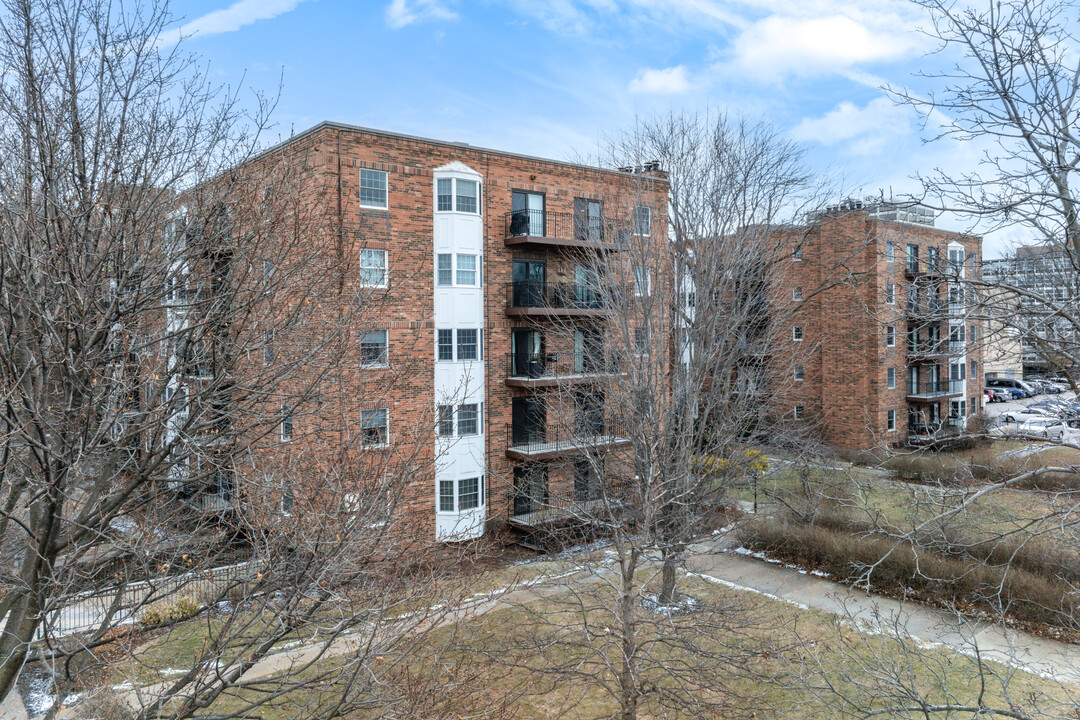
890	378
796	293
890	252
796	253
800	373
468	420
457	195
268	347
461	495
374	427
444	200
642	281
373	189
444	263
797	333
286	424
890	336
890	294
463	268
798	412
373	268
373	348
468	344
890	420
446	421
461	344
445	342
466	270
642	220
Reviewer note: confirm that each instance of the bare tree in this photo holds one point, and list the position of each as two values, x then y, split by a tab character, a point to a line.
674	395
185	447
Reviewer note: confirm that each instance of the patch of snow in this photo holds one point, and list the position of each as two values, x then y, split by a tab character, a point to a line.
743	588
684	605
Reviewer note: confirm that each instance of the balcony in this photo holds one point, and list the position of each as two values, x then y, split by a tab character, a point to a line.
917	268
927	310
932	390
535	297
928	351
920	434
550	369
585	505
555	229
541	442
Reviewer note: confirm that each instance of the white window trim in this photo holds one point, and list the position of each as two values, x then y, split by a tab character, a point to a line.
890	385
648	225
648	281
454	195
481	486
359	188
890	297
893	428
365	446
281	427
796	294
384	363
478	269
798	374
385	268
890	342
454	344
797	333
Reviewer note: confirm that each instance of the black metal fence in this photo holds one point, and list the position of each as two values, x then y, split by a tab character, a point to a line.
543	366
936	388
540	294
545	437
561	226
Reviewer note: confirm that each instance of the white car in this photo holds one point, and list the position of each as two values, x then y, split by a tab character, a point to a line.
1026	413
1041	427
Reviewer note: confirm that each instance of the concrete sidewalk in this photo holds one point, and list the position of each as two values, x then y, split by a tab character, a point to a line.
1049	658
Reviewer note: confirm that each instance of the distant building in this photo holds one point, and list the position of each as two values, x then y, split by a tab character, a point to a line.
891	353
1038	310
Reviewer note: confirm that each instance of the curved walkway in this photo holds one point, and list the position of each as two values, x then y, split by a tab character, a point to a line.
1048	658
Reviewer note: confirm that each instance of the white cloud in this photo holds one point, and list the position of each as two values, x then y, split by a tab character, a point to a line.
400	13
670	81
230	19
778	46
865	129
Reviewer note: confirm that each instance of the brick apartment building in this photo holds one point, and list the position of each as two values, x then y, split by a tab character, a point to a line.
888	350
488	324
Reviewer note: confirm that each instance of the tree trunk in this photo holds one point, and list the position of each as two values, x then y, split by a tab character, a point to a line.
667	576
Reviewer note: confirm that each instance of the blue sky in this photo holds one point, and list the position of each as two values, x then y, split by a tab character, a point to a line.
554	77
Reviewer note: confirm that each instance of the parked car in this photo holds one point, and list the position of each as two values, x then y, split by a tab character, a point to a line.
1043	427
1026	413
1016	387
1032	390
998	394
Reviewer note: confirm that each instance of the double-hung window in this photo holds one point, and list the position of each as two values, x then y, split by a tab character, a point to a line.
797	333
468	344
373	189
374	427
468	419
642	281
891	378
446	421
446	345
890	336
460	344
890	294
457	195
643	220
467	270
460	495
373	268
286	424
373	348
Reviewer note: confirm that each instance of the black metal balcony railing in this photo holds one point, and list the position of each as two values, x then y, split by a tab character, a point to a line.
568	296
942	348
533	366
537	506
914	267
562	226
541	438
926	309
935	388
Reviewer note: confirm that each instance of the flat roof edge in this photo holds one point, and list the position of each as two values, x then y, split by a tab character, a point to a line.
335	125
